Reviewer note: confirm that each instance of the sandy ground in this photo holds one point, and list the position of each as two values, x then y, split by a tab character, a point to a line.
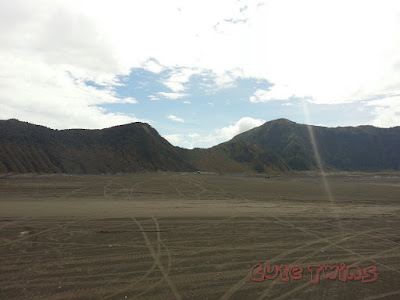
195	236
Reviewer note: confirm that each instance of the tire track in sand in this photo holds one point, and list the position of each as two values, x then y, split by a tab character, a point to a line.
157	260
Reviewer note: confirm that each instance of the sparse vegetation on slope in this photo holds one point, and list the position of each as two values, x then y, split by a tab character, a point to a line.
276	146
362	148
127	148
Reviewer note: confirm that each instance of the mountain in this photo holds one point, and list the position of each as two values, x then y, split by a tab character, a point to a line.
276	146
235	157
133	147
362	148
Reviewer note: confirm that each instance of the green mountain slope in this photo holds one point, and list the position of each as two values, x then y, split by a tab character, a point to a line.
235	157
127	148
275	146
362	148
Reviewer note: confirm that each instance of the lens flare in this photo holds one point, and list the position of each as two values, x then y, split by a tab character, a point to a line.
320	165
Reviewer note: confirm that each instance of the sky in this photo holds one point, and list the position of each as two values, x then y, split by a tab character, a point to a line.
200	72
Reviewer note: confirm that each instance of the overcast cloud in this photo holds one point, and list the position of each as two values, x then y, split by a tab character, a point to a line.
323	52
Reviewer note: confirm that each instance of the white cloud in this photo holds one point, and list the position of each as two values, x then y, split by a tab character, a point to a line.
386	111
330	51
35	92
244	124
174	139
175	118
129	100
174	86
227	79
187	102
153	98
48	50
334	53
153	66
178	77
223	134
216	136
172	95
276	92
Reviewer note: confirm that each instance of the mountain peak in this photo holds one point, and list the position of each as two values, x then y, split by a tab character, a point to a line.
281	120
26	147
340	148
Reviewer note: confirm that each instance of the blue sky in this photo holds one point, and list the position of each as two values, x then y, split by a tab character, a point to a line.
200	72
206	107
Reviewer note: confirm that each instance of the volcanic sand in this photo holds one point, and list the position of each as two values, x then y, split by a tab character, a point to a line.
195	236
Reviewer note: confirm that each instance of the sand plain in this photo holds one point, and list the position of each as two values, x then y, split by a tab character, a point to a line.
195	236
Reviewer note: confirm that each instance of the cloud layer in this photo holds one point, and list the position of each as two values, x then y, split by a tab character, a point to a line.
326	52
217	136
175	118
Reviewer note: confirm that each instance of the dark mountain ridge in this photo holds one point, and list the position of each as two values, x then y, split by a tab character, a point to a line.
132	147
276	146
362	148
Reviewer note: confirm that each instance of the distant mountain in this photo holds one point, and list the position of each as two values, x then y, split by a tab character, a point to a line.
235	157
362	148
275	146
133	147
